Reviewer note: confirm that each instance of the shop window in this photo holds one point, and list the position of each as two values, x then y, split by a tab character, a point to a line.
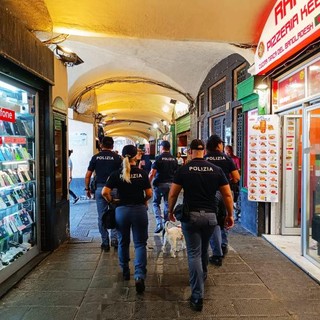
199	130
238	132
239	75
201	107
217	126
217	94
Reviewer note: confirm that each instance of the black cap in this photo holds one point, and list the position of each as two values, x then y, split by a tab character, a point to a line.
213	142
165	144
129	151
197	144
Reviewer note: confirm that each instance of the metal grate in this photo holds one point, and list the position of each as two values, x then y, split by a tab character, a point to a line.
218	95
239	134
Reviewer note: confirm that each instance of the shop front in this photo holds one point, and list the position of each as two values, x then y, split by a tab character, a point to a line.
296	100
183	136
29	222
290	65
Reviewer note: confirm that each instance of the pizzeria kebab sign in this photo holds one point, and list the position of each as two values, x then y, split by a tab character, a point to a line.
291	26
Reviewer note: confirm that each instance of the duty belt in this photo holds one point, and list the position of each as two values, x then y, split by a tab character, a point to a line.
201	212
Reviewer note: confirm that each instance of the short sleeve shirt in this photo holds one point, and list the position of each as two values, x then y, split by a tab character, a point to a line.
166	166
103	163
221	160
200	181
130	193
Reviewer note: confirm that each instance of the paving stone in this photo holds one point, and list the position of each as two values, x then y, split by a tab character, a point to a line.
259	307
13	313
50	313
79	281
236	291
40	298
235	278
155	310
52	284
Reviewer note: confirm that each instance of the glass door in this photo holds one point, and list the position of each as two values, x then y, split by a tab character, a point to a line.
291	175
311	183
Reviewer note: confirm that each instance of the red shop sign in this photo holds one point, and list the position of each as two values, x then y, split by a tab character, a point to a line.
292	89
7	115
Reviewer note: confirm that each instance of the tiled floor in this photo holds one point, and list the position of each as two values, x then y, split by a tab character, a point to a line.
290	246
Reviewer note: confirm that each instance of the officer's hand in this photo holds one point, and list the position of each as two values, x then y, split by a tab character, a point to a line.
229	222
172	217
88	193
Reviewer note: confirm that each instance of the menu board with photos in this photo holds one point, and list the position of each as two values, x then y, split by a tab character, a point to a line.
263	158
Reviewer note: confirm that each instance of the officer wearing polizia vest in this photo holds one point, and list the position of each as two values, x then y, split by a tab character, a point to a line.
134	190
162	172
103	163
200	180
215	155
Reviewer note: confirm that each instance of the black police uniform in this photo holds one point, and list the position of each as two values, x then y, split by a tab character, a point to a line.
131	212
166	165
129	193
221	160
227	165
104	163
200	180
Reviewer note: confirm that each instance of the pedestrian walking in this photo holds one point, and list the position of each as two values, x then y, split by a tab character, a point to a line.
134	191
215	155
70	168
103	163
161	176
200	181
179	159
235	187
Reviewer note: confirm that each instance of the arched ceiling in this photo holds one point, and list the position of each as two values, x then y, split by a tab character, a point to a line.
166	46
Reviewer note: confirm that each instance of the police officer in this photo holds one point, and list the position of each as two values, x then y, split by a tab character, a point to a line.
200	180
162	172
215	155
103	163
134	190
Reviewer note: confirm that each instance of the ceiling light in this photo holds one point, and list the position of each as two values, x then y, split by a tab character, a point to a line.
67	56
165	109
260	83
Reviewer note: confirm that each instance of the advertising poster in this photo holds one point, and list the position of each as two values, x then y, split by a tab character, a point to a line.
263	158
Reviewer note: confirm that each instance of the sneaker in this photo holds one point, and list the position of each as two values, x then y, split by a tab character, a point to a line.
196	304
158	229
140	287
105	247
216	260
76	200
225	249
114	243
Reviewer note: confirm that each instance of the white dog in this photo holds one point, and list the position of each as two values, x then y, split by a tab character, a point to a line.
173	235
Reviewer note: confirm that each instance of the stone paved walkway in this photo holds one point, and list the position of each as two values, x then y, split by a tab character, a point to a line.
78	281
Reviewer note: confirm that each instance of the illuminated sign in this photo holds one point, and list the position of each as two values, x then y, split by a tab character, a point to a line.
291	26
7	115
292	89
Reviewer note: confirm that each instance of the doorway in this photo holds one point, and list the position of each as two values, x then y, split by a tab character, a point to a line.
311	183
292	172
